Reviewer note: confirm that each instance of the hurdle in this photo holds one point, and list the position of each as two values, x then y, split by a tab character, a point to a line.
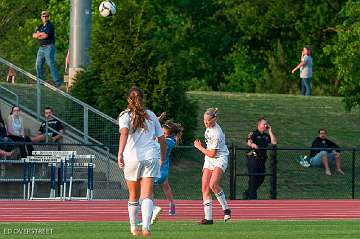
54	159
90	175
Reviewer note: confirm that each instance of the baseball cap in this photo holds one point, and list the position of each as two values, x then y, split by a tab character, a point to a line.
44	13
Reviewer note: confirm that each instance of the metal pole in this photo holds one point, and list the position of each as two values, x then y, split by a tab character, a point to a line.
38	100
80	28
233	172
353	175
273	191
86	125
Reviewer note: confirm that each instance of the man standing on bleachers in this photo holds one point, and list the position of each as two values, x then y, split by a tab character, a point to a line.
45	33
50	129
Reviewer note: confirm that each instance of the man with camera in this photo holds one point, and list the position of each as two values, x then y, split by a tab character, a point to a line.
258	141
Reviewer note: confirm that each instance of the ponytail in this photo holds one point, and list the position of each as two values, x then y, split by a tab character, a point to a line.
136	108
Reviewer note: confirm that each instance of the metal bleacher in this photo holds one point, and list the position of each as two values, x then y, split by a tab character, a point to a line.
84	126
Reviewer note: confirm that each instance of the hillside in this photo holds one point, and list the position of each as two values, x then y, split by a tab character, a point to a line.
295	119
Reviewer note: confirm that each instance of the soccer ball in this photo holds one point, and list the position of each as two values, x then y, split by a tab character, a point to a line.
107	8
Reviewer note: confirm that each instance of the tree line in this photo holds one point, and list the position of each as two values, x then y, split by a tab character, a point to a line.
170	46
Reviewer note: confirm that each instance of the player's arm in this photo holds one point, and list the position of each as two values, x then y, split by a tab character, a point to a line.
208	152
162	143
124	133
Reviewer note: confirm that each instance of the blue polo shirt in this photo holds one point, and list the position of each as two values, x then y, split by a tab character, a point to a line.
48	28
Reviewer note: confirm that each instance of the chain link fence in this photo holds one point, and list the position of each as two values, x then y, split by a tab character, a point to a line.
295	180
288	180
85	123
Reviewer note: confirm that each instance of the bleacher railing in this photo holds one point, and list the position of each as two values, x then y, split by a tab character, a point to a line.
32	94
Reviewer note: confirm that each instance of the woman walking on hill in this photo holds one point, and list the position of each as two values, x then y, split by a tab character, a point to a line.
216	160
138	157
305	67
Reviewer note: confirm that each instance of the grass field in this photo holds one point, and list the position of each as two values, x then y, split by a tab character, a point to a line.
191	230
295	119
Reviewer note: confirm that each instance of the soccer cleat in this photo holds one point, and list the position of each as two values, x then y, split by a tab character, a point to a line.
206	222
156	213
227	215
135	232
146	233
172	210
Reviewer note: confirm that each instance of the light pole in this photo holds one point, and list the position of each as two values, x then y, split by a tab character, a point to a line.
80	35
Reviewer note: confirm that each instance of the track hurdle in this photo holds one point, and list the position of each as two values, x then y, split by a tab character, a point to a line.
90	174
54	159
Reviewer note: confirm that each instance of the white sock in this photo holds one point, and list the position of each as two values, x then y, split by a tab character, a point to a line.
222	200
208	209
147	206
133	209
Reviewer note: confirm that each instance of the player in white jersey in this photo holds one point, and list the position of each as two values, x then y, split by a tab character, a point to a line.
138	157
216	160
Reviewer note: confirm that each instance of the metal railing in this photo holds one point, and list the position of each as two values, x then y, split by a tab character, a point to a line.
285	176
15	173
288	177
33	94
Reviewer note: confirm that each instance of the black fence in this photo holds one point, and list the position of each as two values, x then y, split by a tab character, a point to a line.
285	176
289	176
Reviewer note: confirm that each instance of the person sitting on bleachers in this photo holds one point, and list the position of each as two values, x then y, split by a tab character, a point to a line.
11	75
4	139
50	129
15	131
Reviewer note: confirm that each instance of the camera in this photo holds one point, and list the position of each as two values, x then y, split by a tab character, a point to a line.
267	126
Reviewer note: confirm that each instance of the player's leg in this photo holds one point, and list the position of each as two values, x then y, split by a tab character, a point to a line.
206	194
147	204
169	196
133	205
220	195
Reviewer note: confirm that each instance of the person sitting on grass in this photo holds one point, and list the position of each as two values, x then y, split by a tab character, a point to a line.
319	157
52	131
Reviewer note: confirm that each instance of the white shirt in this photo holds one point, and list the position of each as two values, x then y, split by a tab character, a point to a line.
140	145
215	139
306	69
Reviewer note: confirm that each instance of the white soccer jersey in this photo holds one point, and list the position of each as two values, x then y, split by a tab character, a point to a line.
215	139
140	145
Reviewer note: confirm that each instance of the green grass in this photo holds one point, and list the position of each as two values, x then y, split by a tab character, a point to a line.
295	119
191	230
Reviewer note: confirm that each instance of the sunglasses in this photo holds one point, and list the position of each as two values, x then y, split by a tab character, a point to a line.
45	16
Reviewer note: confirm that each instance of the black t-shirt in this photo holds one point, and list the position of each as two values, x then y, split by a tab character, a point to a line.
323	144
52	124
262	140
49	29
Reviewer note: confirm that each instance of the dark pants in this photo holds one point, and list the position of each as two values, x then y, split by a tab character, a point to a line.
255	166
25	150
4	144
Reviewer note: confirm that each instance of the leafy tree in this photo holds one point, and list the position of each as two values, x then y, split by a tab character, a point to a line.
345	53
139	52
